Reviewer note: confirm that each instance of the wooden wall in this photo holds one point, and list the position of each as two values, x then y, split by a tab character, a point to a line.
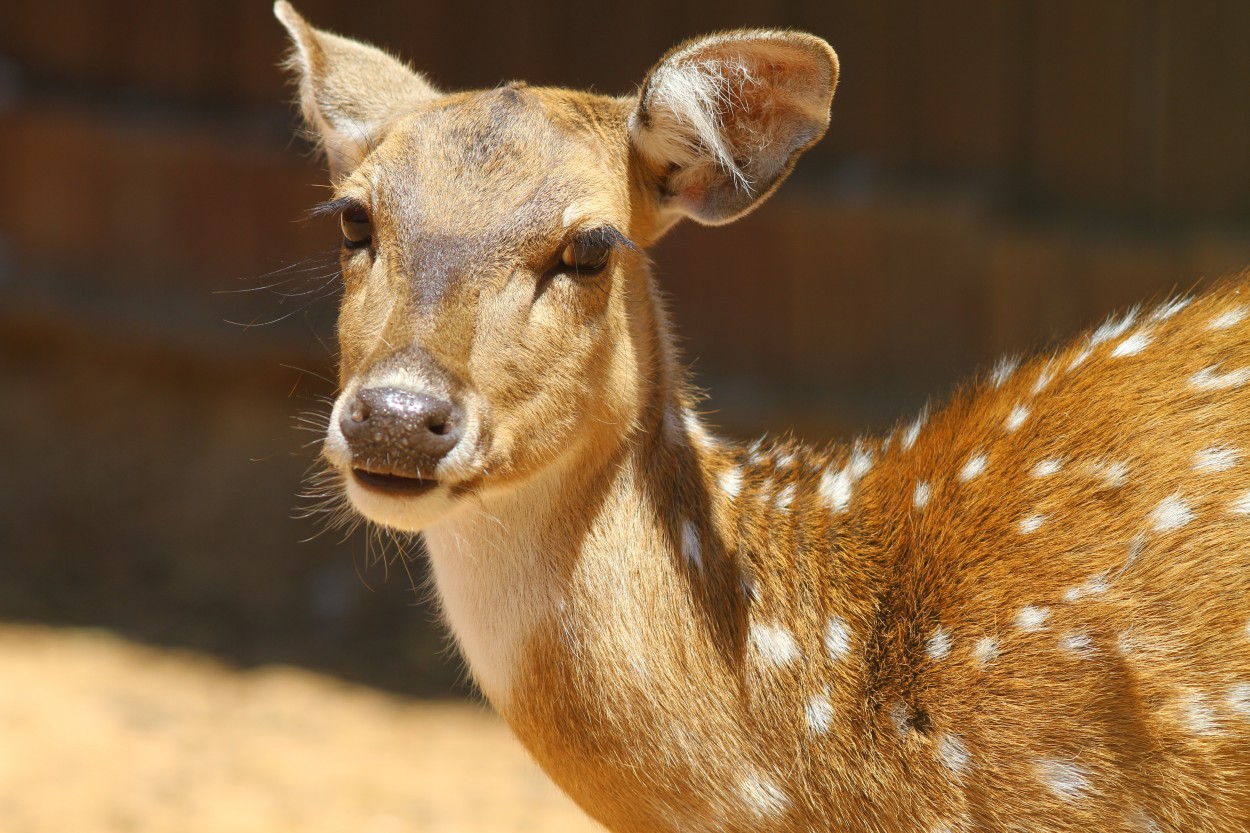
999	173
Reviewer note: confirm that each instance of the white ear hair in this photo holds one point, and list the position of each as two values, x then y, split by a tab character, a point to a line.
693	96
725	117
349	91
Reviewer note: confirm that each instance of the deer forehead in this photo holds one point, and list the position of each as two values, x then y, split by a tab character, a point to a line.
500	169
467	193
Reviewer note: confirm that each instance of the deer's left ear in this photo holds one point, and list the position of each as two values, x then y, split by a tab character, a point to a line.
721	120
349	91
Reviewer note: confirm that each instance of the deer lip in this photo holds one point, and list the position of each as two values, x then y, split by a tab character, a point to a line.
393	484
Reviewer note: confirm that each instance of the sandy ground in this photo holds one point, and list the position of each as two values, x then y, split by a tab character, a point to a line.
98	734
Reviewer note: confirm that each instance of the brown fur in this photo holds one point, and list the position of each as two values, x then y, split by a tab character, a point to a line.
1166	628
694	635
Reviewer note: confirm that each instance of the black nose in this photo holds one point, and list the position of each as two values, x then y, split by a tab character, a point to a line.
400	432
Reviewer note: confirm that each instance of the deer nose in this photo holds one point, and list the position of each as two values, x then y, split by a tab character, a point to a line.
400	432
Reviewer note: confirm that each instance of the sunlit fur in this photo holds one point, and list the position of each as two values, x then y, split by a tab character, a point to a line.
1027	609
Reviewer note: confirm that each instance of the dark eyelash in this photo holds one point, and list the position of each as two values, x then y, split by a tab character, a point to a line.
330	207
605	235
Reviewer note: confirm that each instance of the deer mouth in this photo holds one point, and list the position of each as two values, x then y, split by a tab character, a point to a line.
396	485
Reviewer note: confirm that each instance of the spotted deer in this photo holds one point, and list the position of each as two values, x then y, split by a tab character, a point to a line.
1027	610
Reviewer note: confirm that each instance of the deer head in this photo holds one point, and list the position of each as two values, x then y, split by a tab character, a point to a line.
498	316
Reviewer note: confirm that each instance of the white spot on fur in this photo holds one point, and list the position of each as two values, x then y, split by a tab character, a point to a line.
1171	513
939	644
1216	458
690	547
1169	309
974	467
1047	467
1031	618
953	754
1238	699
1227	319
731	482
1095	586
1077	643
1079	358
1209	378
1003	369
1198	715
912	431
1044	378
766	488
838	487
1032	523
774	644
1064	779
819	713
1113	328
985	651
861	462
695	429
1016	418
1112	474
900	717
1125	643
837	638
1241	506
764	797
920	498
785	497
1132	345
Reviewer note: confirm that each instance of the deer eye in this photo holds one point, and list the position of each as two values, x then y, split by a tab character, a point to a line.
357	227
587	254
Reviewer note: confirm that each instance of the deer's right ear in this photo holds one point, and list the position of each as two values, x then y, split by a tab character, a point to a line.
348	91
721	120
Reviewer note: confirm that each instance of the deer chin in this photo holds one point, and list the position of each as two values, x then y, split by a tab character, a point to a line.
406	504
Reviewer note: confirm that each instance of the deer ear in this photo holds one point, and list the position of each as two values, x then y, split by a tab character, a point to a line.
349	92
721	120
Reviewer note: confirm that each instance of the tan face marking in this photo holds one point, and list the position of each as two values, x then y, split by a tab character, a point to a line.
472	200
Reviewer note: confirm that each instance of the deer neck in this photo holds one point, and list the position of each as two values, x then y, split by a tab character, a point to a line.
510	565
646	594
507	566
682	619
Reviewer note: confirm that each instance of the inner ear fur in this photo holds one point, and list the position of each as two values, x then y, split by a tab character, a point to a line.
721	120
348	91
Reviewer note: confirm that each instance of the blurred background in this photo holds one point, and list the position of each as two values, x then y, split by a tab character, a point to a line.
999	173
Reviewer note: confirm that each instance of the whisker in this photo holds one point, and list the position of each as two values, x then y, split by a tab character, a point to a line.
299	369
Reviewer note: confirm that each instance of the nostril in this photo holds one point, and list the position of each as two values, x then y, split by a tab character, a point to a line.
401	427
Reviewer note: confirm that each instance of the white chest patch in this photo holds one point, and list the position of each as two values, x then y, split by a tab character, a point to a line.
496	589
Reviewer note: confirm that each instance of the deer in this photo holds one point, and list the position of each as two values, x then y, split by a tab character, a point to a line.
1027	609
